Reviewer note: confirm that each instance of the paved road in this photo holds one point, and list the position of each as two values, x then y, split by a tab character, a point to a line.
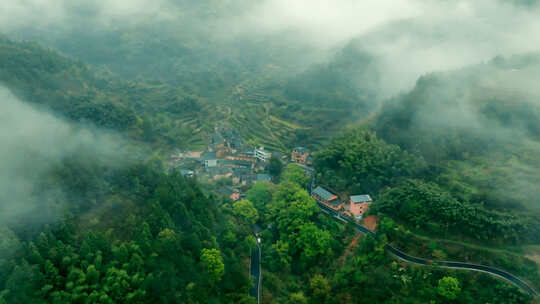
255	266
455	265
255	272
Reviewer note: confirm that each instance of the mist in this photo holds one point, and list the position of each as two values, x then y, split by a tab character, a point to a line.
34	142
409	37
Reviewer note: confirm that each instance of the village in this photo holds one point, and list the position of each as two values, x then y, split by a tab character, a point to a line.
235	167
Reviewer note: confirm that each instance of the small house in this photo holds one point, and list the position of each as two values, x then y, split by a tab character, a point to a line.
263	178
301	155
359	204
233	194
262	154
209	160
187	173
327	198
248	179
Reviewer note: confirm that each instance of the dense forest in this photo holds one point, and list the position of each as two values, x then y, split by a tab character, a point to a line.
98	99
153	238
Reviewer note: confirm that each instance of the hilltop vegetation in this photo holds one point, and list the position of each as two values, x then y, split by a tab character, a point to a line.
452	165
309	258
151	238
480	125
274	98
359	162
70	88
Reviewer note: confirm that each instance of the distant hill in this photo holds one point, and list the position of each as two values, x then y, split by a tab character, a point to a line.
92	96
481	122
278	97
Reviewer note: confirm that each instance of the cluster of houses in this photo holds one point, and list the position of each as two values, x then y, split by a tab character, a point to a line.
228	157
354	206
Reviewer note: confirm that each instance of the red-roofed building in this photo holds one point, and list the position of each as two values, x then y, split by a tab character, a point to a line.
301	155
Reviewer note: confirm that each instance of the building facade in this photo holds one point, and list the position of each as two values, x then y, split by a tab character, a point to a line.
327	198
359	204
301	155
262	155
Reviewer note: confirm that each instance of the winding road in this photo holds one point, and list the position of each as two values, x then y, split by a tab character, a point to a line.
445	264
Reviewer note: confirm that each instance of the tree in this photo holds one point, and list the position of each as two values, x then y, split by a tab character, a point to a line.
448	287
274	167
9	243
260	194
295	174
282	249
312	243
291	208
213	264
92	275
360	162
297	298
320	287
245	209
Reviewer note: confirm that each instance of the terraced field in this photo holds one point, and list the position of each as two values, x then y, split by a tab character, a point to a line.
258	115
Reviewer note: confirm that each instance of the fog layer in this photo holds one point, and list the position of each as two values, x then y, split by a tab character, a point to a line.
32	143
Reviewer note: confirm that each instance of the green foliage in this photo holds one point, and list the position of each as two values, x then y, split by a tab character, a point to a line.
137	235
361	163
427	206
320	287
213	265
260	194
480	139
245	209
297	298
291	208
146	253
336	84
274	167
448	287
295	174
312	243
76	91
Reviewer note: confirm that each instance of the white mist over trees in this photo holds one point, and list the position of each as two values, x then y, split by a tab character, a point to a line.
411	37
33	143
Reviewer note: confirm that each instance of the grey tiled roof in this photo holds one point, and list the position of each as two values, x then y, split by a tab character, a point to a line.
323	193
209	155
264	177
360	198
301	149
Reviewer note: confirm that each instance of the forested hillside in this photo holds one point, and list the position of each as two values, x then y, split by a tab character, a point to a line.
309	258
480	125
277	96
136	236
70	88
159	151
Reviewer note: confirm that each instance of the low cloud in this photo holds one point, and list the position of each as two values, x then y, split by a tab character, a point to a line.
32	143
409	37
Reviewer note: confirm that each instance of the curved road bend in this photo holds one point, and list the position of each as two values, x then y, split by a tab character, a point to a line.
455	265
